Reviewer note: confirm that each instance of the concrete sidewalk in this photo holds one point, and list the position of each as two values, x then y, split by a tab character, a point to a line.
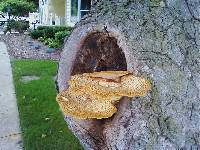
10	134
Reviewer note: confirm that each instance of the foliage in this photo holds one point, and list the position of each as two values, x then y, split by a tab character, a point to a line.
36	2
37	34
19	26
60	36
53	36
50	31
52	43
41	39
42	124
17	7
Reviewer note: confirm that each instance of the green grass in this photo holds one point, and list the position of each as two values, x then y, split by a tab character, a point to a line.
42	123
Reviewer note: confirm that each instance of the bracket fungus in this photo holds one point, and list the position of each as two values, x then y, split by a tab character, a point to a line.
94	95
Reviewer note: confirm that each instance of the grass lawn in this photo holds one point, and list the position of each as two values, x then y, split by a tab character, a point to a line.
42	124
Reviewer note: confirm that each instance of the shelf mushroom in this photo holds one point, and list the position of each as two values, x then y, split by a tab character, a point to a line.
93	95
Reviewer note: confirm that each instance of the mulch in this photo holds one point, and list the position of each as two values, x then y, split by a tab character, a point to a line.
22	46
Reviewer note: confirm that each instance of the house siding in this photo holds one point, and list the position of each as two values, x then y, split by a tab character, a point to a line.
47	16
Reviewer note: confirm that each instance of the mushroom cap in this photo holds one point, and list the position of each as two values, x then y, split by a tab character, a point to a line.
110	84
92	95
99	87
133	86
84	105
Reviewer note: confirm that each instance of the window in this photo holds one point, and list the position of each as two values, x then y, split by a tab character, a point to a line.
74	7
85	7
85	4
79	8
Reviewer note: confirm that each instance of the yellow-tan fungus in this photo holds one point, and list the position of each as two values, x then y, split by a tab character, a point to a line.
93	95
82	105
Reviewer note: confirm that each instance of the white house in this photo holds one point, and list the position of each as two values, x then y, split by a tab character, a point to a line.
62	12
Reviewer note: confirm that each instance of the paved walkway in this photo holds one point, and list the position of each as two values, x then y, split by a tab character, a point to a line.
10	137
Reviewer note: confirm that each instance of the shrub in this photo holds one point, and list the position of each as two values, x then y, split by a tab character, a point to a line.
49	32
18	7
60	36
52	43
61	28
56	28
41	39
41	27
37	34
23	25
20	26
47	41
53	36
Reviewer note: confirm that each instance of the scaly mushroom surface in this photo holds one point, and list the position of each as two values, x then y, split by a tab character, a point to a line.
93	95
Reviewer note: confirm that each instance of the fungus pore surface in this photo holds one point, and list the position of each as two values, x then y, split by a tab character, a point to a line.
94	95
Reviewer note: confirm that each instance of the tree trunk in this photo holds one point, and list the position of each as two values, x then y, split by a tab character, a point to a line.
156	39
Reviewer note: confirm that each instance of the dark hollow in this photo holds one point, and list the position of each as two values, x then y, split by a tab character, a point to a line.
99	52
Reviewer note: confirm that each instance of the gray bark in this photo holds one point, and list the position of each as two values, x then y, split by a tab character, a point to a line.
161	41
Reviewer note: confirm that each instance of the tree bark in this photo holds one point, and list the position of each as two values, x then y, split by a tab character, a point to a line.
161	41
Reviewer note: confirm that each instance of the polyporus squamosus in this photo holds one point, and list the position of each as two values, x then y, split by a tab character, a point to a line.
93	95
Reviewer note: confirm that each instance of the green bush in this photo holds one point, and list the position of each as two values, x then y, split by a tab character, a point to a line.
47	41
20	26
52	43
53	36
37	34
56	28
49	32
41	39
62	28
60	36
41	27
17	7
